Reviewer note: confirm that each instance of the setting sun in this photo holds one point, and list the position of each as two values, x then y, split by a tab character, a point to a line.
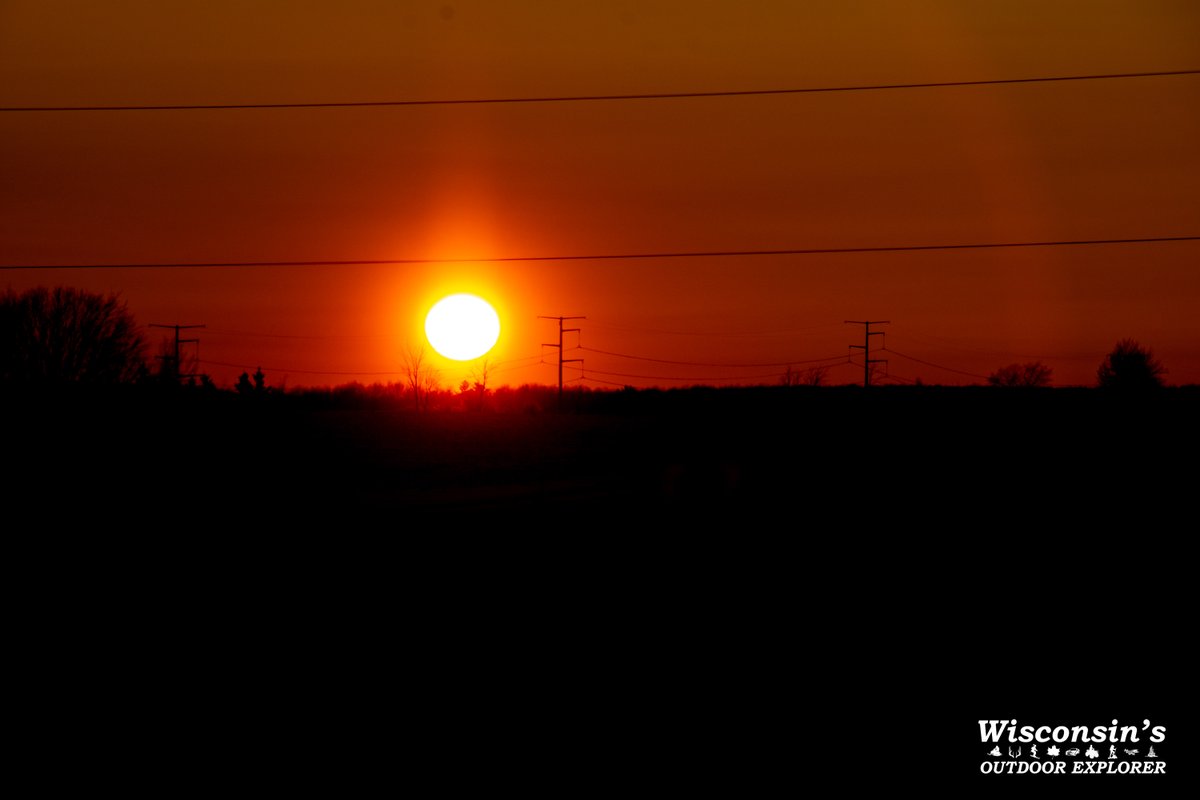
462	327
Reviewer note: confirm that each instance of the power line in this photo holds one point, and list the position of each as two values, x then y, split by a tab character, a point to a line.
590	371
714	364
601	380
890	377
225	332
499	365
612	256
298	371
717	334
589	98
513	361
937	366
954	346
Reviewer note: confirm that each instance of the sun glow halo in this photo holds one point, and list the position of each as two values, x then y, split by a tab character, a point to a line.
462	327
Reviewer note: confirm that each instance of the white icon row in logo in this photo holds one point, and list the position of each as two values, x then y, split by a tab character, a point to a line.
1053	750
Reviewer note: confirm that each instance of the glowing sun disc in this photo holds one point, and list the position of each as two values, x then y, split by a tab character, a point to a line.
462	327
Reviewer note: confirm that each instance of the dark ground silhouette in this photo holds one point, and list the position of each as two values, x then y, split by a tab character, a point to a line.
1005	458
726	588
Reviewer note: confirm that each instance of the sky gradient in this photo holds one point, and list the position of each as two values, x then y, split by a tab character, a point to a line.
1025	162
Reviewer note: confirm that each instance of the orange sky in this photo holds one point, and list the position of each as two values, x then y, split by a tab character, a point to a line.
1080	160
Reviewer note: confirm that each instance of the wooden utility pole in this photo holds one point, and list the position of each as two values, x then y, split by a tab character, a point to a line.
561	360
866	346
175	359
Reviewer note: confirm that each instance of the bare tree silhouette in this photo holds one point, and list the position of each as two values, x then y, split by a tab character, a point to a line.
1130	366
814	376
1034	373
422	378
68	335
479	376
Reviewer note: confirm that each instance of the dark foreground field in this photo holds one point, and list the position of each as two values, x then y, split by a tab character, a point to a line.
935	457
736	590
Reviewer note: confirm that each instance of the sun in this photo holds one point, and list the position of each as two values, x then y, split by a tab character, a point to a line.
462	327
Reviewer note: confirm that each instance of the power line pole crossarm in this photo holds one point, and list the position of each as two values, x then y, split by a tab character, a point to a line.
561	360
175	363
866	345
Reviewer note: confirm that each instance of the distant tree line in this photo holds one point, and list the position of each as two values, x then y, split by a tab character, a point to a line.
1023	375
527	398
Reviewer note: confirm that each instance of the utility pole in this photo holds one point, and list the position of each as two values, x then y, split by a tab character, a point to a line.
866	346
175	359
561	360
